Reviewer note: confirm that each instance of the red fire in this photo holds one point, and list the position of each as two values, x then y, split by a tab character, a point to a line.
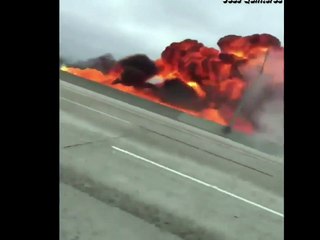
191	77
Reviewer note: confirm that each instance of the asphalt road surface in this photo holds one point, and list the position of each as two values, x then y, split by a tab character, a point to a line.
151	169
84	217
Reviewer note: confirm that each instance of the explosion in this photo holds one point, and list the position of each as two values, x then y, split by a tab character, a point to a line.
195	79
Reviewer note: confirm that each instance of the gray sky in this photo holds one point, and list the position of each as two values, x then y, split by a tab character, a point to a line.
89	28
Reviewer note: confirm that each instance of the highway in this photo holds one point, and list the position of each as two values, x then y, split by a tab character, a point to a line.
188	183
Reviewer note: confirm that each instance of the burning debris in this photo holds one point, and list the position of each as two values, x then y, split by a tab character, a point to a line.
196	79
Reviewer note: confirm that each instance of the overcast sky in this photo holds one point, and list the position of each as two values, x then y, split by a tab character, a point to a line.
89	28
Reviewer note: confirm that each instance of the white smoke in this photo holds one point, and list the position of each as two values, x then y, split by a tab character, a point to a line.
264	101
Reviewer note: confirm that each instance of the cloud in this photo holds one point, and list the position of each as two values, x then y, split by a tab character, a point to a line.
123	27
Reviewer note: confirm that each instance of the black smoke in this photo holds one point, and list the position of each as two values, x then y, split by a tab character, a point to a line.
103	63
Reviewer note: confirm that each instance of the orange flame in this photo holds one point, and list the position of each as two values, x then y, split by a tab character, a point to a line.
213	79
197	88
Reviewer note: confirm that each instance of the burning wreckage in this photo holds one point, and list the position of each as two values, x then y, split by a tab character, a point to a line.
198	80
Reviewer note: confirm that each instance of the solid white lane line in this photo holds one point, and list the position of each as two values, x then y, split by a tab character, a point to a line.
198	181
94	110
